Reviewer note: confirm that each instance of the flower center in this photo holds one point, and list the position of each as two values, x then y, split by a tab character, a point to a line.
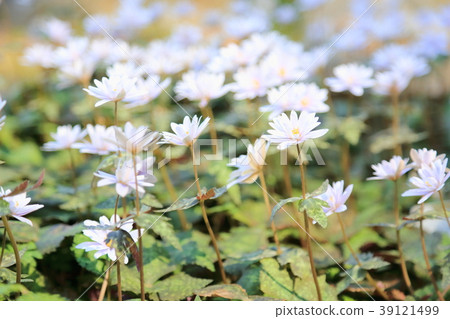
256	84
296	131
304	101
282	72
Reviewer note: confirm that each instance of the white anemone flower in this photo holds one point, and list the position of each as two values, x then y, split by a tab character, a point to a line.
100	140
392	170
38	55
251	82
336	196
250	165
100	235
350	77
18	205
135	139
186	133
294	130
112	89
431	180
388	82
201	86
64	138
423	157
296	97
125	180
145	91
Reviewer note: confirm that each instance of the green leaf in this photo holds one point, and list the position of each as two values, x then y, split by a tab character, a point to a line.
298	260
232	292
4	208
306	288
445	270
40	296
242	240
23	232
8	289
250	280
368	261
276	282
314	209
86	259
181	204
160	225
107	162
9	259
355	276
281	203
150	200
320	190
351	128
50	237
178	287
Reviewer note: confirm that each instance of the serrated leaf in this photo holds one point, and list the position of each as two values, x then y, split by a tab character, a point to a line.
355	275
276	282
250	280
150	200
321	189
242	240
9	259
368	261
306	288
314	209
232	292
281	203
160	225
50	237
178	287
182	204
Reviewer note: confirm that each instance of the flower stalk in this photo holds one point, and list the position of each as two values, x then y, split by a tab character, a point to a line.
269	211
15	248
306	220
206	220
441	198
105	283
396	121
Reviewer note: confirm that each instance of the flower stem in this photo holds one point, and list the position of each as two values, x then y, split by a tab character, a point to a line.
74	172
206	220
441	197
173	196
15	248
396	122
116	120
308	236
101	296
269	211
212	127
141	250
427	260
3	246
119	281
399	244
358	261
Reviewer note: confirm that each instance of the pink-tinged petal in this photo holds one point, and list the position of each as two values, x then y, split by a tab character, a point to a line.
424	198
122	190
23	219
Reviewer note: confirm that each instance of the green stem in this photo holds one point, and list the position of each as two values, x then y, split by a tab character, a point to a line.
399	244
141	249
15	248
3	246
269	211
396	122
74	172
441	197
101	296
306	220
206	220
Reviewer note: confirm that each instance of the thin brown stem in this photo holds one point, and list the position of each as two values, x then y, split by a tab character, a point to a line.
173	196
306	220
269	211
441	197
358	261
399	244
396	122
3	246
212	127
206	220
15	248
101	296
74	171
427	260
141	249
119	281
116	120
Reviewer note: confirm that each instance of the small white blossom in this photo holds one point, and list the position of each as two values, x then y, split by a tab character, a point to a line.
145	91
388	82
113	89
431	180
187	133
350	77
336	196
18	205
64	138
423	157
294	130
99	236
251	82
392	170
100	140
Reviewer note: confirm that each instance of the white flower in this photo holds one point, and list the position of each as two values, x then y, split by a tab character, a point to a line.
113	89
38	55
431	180
423	157
294	130
388	82
2	118
64	138
296	97
248	166
124	69
135	139
251	82
336	197
125	179
282	67
100	140
350	77
99	236
201	86
411	66
145	91
18	205
391	170
186	133
57	30
77	71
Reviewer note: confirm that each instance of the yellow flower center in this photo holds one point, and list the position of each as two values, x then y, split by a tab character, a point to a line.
282	72
16	204
256	83
296	131
304	101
